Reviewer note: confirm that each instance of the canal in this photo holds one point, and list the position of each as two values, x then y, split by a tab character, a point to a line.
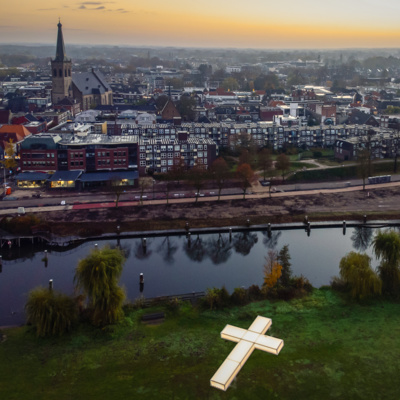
171	265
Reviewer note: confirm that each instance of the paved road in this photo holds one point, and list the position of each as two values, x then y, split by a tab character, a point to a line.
107	200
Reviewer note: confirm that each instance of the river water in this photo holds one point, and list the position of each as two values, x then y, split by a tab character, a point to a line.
171	266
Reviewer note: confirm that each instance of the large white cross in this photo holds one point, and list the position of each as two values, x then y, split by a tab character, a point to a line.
247	341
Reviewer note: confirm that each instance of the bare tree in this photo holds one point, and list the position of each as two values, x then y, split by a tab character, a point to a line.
363	157
197	177
282	164
144	183
264	161
117	188
220	171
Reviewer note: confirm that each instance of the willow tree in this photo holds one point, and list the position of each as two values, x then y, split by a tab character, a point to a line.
97	276
386	246
355	270
50	312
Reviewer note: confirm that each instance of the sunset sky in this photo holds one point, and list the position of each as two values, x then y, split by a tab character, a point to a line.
207	23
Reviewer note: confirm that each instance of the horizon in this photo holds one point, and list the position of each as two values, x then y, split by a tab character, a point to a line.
258	26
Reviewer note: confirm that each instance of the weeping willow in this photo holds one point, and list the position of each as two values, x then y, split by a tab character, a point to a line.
356	271
386	246
50	312
97	276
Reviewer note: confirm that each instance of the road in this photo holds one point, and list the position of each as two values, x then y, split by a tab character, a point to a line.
52	202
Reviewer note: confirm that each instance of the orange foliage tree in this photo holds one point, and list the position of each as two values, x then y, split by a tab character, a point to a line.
272	270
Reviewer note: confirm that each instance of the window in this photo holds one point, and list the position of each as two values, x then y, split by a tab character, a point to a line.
170	155
170	162
163	162
142	163
142	156
163	155
177	154
177	148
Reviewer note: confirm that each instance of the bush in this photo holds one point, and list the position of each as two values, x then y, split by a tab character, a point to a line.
216	298
254	293
239	297
301	283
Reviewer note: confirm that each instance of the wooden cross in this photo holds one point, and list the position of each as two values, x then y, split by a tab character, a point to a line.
247	341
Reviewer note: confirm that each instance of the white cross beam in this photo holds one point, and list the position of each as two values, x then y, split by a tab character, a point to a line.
247	341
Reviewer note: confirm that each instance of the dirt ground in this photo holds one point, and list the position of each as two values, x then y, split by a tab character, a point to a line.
376	204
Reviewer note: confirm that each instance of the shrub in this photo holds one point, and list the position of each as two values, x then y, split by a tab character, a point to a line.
239	297
254	293
216	298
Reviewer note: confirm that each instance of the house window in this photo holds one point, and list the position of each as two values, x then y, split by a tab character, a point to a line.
170	162
142	163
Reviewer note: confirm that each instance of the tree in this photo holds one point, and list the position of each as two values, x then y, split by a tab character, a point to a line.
186	106
356	271
50	312
283	258
97	276
220	171
386	246
282	164
144	183
363	156
264	161
197	177
245	175
161	101
116	188
9	161
272	270
230	84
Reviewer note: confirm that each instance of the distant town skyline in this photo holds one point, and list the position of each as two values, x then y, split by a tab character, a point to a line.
223	23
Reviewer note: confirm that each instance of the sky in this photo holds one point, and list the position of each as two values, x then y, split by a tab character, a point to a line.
208	23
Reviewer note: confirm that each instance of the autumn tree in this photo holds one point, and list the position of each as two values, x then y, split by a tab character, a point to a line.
264	161
272	270
245	176
282	164
230	84
356	271
220	173
9	161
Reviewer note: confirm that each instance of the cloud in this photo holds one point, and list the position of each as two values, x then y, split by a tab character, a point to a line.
46	9
90	6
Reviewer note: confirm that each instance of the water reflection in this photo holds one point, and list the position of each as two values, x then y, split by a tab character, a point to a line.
270	239
244	241
362	237
167	249
195	249
219	248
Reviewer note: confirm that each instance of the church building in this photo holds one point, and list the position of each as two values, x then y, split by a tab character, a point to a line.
89	89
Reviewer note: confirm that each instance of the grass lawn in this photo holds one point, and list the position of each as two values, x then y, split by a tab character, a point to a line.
333	350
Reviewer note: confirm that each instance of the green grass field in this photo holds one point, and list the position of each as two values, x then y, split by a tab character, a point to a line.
333	350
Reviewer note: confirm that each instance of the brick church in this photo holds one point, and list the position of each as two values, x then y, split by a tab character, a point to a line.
89	89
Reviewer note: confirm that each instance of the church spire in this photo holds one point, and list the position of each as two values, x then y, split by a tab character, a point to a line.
60	50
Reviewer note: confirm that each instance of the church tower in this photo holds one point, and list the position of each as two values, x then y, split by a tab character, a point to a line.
61	71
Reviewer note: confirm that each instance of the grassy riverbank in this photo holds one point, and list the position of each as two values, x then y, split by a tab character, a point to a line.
333	350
